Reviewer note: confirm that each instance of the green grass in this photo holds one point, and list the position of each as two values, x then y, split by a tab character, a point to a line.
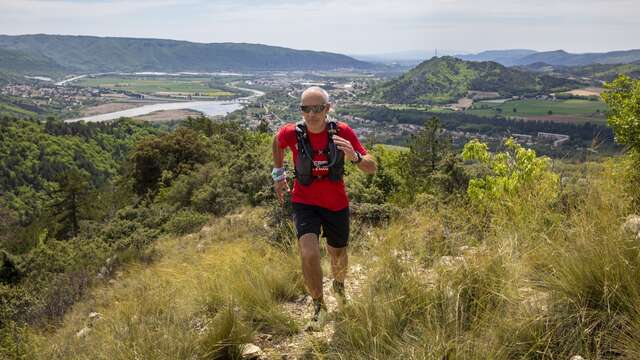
155	85
582	110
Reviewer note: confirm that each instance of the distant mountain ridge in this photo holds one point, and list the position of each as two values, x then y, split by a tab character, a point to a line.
557	57
446	79
603	72
504	57
103	54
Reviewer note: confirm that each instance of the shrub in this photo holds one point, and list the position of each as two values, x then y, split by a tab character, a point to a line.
373	214
186	221
623	96
511	172
177	152
280	223
15	342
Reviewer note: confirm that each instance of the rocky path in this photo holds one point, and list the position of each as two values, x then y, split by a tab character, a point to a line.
300	345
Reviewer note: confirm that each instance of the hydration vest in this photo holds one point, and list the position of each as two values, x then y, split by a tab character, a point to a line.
304	162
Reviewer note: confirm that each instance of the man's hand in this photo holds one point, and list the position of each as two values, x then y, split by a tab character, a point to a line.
281	187
344	145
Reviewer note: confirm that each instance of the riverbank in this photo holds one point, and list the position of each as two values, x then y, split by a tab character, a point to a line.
109	107
207	108
169	115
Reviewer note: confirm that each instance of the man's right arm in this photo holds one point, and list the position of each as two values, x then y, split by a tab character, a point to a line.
278	162
278	153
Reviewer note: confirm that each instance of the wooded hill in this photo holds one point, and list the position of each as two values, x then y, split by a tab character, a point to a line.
446	79
47	53
19	62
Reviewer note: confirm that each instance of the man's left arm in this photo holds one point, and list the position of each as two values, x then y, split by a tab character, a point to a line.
368	163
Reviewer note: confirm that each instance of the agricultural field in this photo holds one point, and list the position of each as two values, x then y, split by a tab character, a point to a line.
410	107
159	86
12	110
569	110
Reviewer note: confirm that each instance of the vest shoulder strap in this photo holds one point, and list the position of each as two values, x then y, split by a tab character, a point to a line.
333	127
301	130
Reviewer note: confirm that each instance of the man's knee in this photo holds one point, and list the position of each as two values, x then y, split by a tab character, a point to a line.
309	247
337	253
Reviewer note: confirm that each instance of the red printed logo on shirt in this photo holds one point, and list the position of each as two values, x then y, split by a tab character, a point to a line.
320	168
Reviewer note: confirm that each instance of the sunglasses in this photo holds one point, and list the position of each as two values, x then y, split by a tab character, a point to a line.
315	108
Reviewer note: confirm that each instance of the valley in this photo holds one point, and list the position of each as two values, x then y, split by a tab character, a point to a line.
473	99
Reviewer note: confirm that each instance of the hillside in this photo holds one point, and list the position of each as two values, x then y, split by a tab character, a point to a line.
186	253
561	57
557	57
104	54
500	286
19	62
446	79
602	72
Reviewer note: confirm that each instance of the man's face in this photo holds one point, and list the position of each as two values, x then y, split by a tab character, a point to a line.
312	117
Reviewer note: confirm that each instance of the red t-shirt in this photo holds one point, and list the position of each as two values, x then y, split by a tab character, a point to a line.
321	192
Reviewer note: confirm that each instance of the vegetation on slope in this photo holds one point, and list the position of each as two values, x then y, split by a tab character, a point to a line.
557	57
446	79
481	255
19	62
561	57
104	54
446	273
10	110
603	72
607	72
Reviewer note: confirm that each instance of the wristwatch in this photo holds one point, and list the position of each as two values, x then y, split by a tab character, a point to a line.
278	174
358	158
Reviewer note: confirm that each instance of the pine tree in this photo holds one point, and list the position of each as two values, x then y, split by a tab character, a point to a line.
427	149
71	204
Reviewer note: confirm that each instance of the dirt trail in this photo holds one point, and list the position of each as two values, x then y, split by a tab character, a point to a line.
296	346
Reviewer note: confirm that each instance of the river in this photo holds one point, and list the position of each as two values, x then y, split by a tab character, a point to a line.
209	108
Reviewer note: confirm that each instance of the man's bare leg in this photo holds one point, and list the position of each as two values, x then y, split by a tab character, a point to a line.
339	266
339	262
311	270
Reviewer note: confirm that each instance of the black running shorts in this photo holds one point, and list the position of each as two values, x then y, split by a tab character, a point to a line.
334	224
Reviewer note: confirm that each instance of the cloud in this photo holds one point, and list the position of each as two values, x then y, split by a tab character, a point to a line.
349	26
44	9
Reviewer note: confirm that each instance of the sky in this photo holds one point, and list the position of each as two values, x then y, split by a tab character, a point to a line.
348	27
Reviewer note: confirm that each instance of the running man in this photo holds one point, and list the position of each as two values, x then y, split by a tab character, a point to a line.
319	199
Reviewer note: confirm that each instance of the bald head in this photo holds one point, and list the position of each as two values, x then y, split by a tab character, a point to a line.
315	95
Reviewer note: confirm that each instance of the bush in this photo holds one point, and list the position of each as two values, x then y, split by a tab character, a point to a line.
623	96
176	153
373	214
279	220
185	222
511	172
15	342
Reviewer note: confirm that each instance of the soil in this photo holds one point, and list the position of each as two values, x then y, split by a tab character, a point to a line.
108	108
169	115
